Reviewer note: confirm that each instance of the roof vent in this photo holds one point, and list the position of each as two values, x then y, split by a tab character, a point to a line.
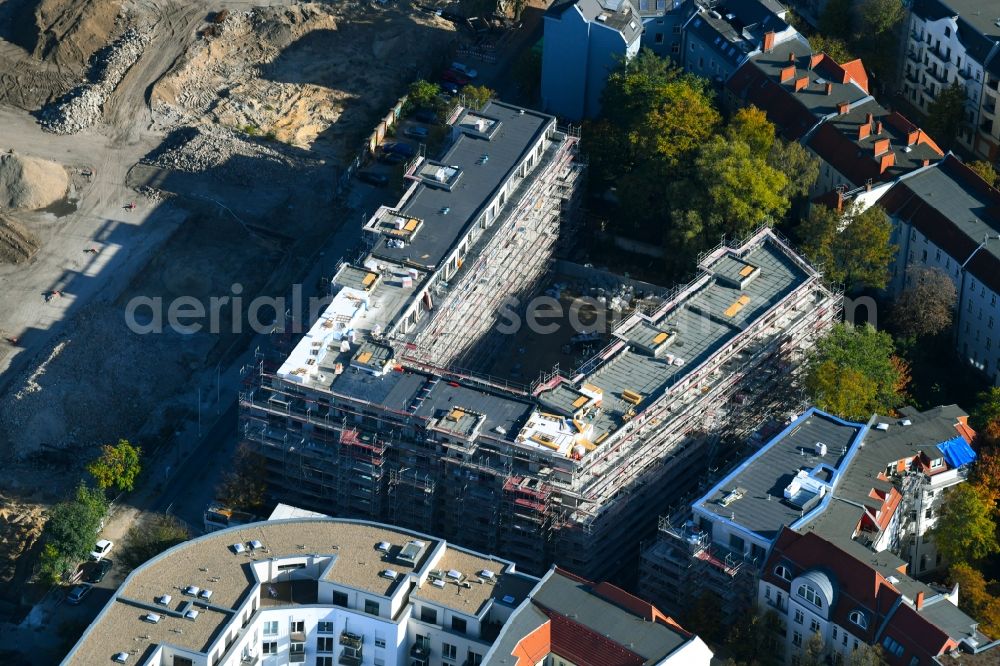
602	17
382	546
437	582
192	590
205	594
121	657
882	426
454	574
238	548
906	422
191	614
254	545
151	617
487	574
820	449
388	573
508	599
163	599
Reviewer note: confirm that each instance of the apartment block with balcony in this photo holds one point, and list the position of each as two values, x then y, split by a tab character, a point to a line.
955	41
946	217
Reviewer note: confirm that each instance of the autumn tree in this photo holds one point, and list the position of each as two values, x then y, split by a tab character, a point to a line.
814	653
926	305
965	530
834	47
985	171
985	417
150	537
751	126
117	467
71	531
853	372
868	655
853	247
476	97
751	638
946	114
975	598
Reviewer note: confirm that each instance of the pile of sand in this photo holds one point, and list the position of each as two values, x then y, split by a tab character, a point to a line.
30	183
68	32
17	244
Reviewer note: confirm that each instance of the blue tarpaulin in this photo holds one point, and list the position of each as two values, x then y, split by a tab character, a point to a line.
957	452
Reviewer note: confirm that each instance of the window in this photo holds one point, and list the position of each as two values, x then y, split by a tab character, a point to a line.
675	48
799	617
371	607
813	625
676	30
269	647
858	618
297	648
809	594
428	615
474	658
767	592
379	641
781	571
324	627
338	598
796	639
659	38
459	625
449	651
297	626
736	543
324	644
271	628
892	646
324	661
834	632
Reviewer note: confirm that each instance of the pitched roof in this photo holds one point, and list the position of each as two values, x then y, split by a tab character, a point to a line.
976	22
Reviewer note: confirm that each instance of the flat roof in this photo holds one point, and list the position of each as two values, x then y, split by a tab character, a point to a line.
486	164
753	495
210	562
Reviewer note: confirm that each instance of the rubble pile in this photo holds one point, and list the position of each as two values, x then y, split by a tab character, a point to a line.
20	527
82	107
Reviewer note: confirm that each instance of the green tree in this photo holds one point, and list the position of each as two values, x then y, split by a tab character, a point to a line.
985	171
477	97
150	537
868	655
853	372
680	123
832	46
244	488
751	638
965	530
118	466
423	94
750	125
880	16
800	167
985	417
71	531
975	598
527	71
853	248
946	114
704	616
837	19
926	305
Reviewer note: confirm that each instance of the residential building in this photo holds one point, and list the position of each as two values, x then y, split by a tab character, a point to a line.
827	107
307	590
816	586
304	588
379	410
955	41
874	488
584	41
947	217
569	620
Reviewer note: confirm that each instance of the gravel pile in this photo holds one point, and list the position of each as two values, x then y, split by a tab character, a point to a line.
82	107
227	155
30	183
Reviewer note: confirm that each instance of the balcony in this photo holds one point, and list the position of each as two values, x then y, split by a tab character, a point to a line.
914	55
419	651
990	110
297	657
349	658
353	641
937	74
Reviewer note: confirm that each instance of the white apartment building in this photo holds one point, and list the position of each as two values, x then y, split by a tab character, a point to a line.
950	41
946	217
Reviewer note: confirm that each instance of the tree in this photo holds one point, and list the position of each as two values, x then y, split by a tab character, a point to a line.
751	126
118	466
751	638
527	71
70	532
974	597
800	167
704	616
985	416
149	538
880	16
853	248
244	488
985	474
423	94
868	655
814	650
926	305
946	114
832	46
965	530
477	97
680	122
853	372
836	19
985	171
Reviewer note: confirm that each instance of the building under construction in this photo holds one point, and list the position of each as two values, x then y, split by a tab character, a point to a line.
376	411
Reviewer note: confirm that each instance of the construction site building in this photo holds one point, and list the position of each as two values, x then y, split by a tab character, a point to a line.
377	411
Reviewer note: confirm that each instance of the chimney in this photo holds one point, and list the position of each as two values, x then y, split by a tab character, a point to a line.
920	600
840	199
843	107
815	59
829	88
791	57
878	127
869	118
787	73
913	137
864	130
926	162
881	146
801	83
887	160
868	185
769	41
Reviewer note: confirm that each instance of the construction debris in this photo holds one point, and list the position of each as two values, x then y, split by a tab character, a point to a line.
20	527
82	107
29	183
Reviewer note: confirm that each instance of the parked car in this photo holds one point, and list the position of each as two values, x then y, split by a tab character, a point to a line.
428	116
77	594
457	78
450	88
391	158
101	550
416	132
464	69
98	571
372	178
400	148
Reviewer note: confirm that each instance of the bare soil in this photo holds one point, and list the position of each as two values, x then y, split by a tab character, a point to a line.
17	244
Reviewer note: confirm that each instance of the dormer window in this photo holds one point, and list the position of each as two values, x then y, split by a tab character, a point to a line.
936	463
858	618
781	571
810	594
